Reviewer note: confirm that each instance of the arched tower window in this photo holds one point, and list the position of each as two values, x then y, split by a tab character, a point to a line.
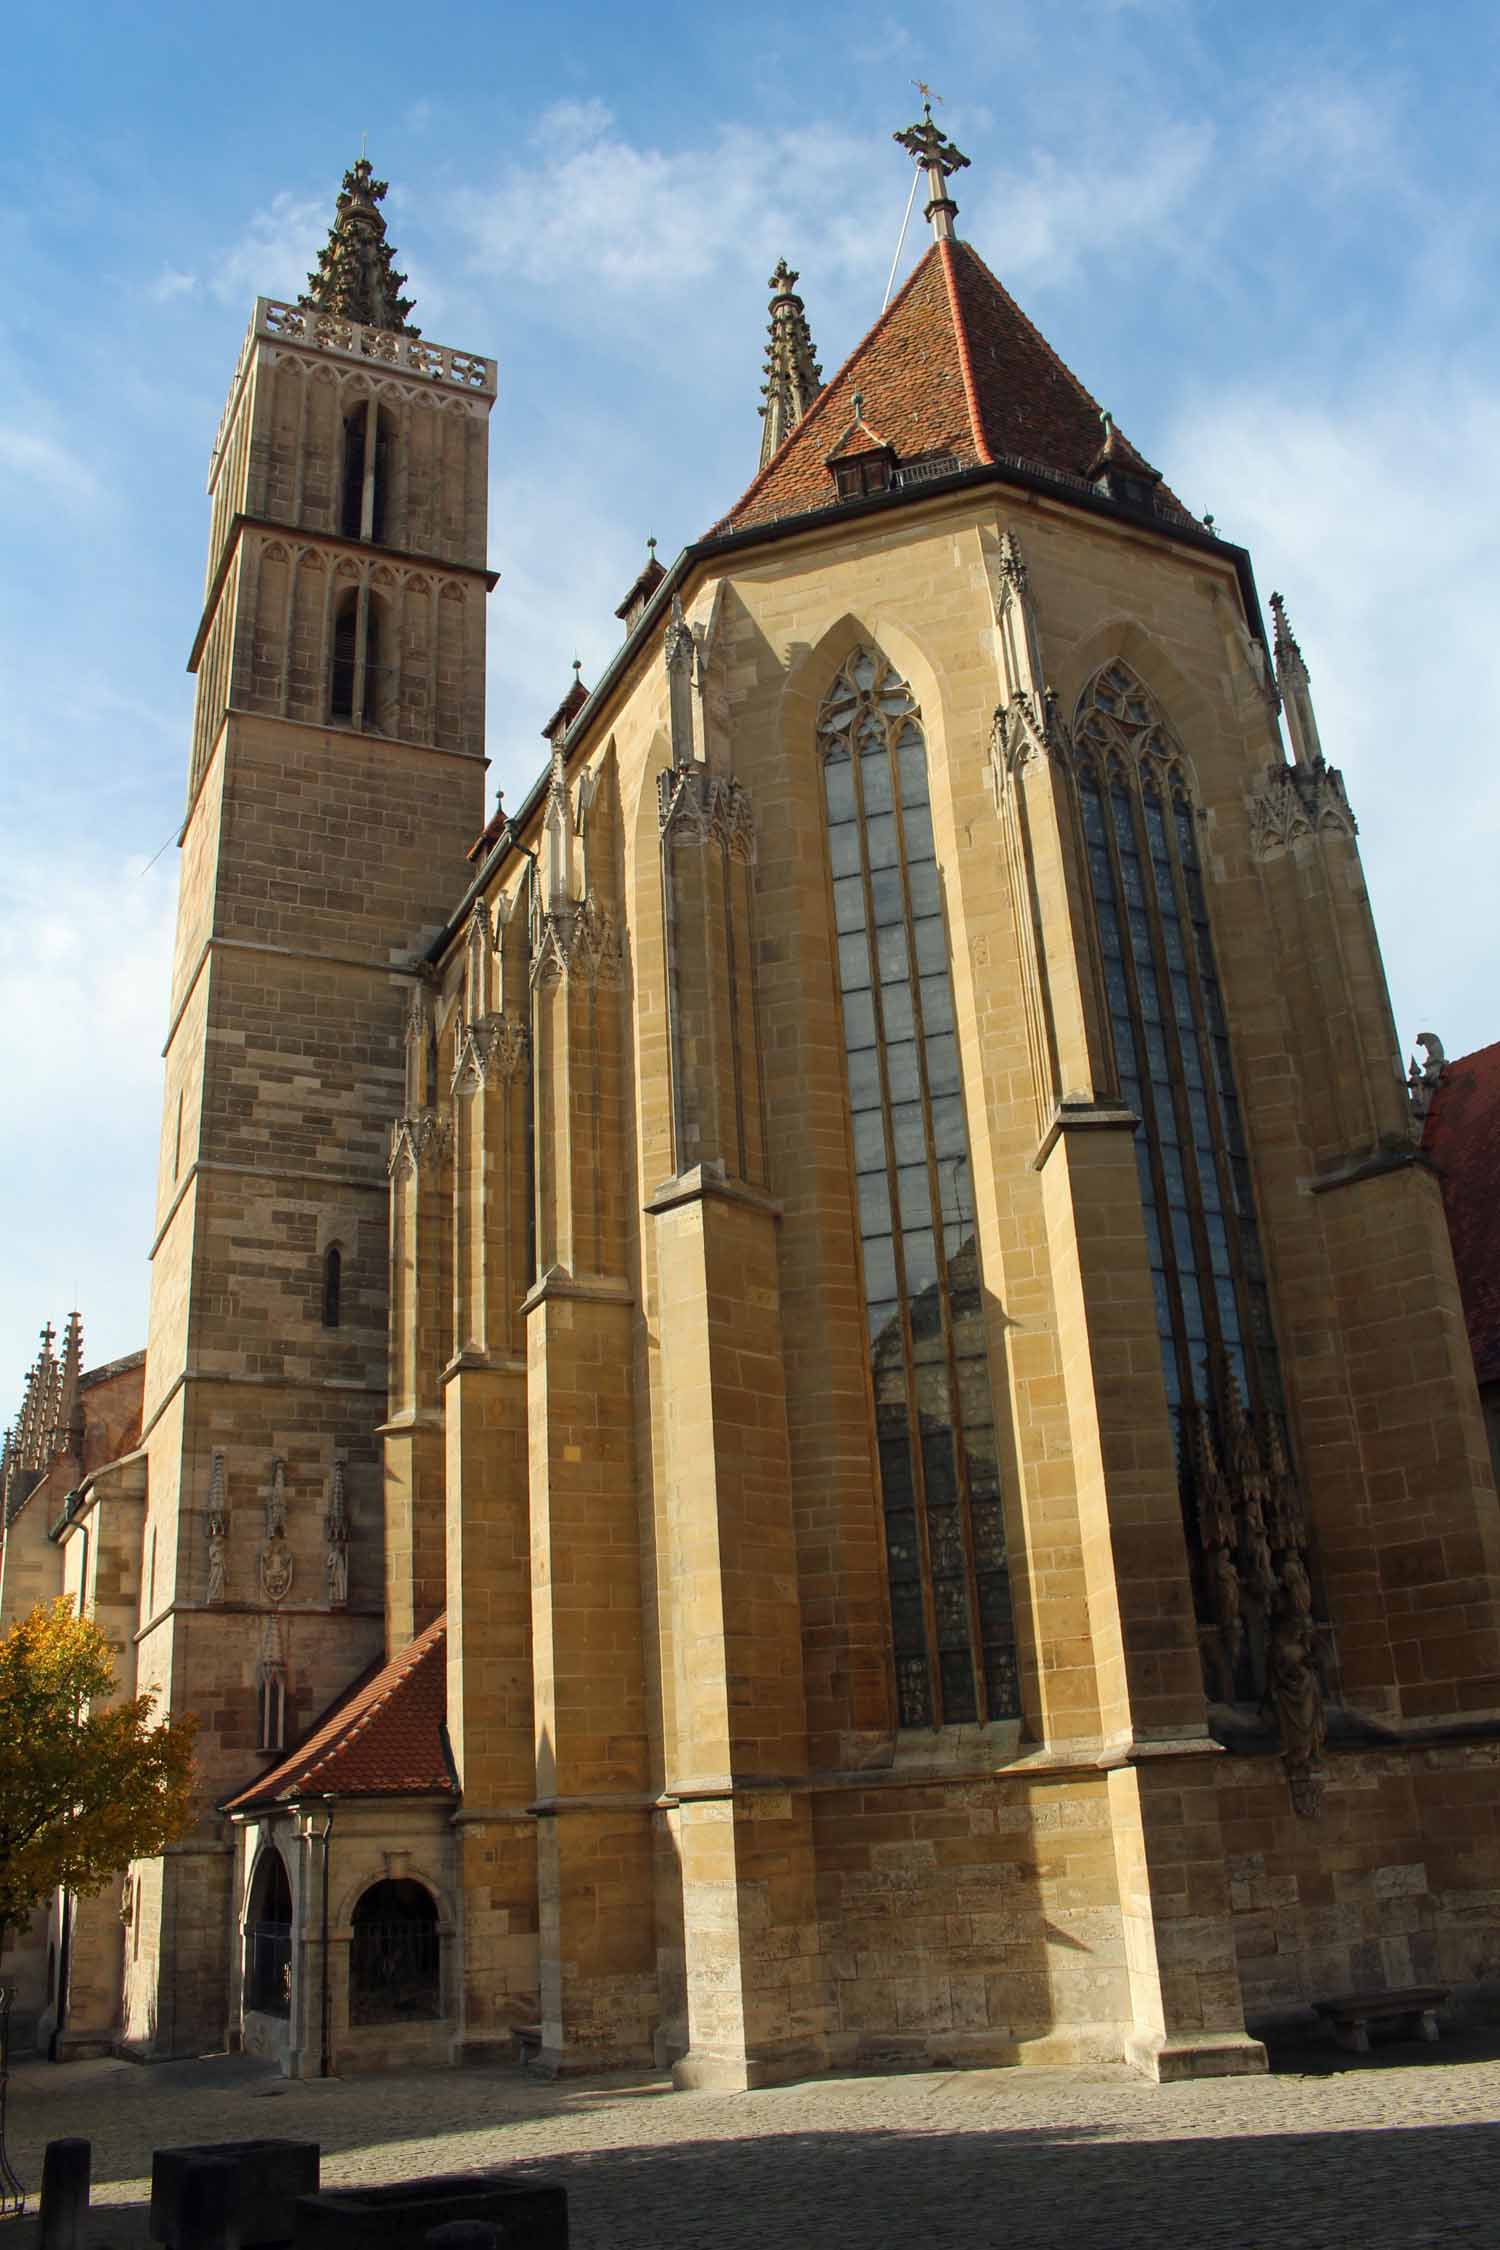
333	1283
394	1959
354	687
935	1423
268	1968
1246	1534
369	446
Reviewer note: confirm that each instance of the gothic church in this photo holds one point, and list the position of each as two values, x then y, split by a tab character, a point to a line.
806	1403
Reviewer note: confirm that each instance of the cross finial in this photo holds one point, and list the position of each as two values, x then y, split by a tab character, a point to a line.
939	159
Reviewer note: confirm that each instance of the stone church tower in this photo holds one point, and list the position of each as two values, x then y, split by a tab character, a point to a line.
336	781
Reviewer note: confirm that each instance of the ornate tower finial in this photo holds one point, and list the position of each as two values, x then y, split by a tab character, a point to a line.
937	156
356	275
793	376
1293	679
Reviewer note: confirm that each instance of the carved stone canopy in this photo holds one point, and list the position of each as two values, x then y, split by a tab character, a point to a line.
1298	801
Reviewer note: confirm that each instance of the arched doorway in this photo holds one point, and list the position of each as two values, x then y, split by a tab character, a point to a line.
395	1963
268	1939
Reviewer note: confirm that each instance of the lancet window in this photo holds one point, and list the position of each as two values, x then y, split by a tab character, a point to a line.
935	1423
354	687
1172	1059
366	471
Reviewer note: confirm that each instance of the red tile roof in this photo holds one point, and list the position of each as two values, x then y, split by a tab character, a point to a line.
952	366
384	1738
1461	1140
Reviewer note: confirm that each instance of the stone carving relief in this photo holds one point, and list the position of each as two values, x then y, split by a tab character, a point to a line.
217	1527
1256	1585
1294	802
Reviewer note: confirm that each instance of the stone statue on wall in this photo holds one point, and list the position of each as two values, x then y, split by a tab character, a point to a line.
336	1532
1295	1693
218	1533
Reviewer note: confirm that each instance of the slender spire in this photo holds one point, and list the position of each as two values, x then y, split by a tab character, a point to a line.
936	155
793	376
68	1431
356	275
1293	679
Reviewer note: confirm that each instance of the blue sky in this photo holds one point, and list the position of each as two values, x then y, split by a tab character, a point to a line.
1268	242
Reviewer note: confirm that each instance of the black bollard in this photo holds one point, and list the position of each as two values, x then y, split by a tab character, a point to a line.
209	2212
464	2234
65	2193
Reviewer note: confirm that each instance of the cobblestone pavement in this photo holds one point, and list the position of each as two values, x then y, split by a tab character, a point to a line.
1401	2147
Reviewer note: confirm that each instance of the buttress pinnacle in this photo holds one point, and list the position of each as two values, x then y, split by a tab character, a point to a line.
793	376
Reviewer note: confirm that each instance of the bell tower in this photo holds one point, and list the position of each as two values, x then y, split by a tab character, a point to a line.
336	779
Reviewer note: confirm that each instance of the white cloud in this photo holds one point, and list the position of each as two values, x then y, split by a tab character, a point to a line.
85	943
1367	514
170	284
278	248
33	454
1133	193
636	218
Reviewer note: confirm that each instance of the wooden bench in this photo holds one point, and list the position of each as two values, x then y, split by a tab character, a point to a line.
1352	2013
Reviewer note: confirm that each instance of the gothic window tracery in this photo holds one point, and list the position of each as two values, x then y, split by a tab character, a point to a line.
947	1568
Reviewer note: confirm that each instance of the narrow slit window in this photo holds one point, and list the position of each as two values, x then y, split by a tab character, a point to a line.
354	686
333	1285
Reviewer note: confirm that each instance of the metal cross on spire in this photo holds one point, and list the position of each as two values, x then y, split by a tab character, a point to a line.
936	155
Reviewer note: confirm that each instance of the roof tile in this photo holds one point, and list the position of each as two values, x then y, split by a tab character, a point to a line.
383	1738
1461	1140
952	366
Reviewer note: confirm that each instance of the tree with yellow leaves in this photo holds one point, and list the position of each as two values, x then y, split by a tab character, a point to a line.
86	1784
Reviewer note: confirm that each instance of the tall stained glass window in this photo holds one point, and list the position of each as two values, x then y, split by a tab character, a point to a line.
935	1420
1171	1047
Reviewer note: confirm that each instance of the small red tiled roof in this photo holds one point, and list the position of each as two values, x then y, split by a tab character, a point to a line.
1461	1141
952	366
384	1738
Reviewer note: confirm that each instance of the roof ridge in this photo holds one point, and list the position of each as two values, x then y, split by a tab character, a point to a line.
820	403
965	357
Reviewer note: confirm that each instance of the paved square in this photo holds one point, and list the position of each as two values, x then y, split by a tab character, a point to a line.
1400	2148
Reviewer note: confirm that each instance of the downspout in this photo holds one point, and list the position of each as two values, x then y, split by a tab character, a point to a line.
327	1990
